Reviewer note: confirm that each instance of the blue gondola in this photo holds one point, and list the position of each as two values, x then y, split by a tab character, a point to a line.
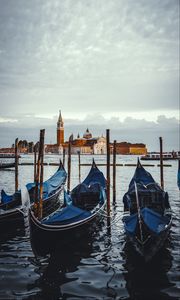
69	223
147	214
178	175
12	209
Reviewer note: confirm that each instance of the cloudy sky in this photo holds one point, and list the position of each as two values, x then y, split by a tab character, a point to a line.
105	64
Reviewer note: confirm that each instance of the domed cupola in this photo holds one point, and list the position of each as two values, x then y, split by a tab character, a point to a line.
87	134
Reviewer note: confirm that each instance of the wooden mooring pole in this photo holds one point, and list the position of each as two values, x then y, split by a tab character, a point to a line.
40	208
35	160
108	172
114	172
79	160
37	177
64	152
161	163
69	166
16	164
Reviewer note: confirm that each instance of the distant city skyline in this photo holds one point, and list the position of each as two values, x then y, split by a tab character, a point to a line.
129	130
112	64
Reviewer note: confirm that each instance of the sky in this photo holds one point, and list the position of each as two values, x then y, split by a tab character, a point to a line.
106	64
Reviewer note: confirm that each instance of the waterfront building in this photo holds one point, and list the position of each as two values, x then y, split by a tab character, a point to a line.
87	144
129	148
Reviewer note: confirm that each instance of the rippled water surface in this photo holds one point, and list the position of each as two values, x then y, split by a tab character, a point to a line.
100	266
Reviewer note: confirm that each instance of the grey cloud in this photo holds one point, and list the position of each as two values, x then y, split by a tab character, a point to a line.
88	55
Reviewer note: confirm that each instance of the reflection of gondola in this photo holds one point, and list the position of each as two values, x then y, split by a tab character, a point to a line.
147	214
20	232
59	268
146	281
13	208
69	223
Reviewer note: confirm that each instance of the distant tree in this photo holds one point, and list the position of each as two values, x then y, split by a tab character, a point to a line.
25	144
36	147
20	144
30	147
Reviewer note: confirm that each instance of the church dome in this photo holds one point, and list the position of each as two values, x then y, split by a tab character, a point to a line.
87	134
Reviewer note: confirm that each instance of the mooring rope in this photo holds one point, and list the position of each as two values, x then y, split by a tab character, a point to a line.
113	220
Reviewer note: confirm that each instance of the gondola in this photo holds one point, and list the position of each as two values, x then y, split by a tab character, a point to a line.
147	214
14	218
12	208
82	208
6	165
178	175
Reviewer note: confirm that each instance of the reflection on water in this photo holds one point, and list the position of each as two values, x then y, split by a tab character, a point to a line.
61	268
147	281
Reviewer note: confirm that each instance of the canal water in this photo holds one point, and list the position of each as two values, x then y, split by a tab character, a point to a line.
100	266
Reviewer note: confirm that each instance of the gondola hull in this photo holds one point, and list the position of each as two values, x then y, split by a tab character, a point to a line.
13	212
47	239
52	203
15	216
152	242
11	220
148	250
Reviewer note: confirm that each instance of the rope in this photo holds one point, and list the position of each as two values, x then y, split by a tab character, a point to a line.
105	214
113	220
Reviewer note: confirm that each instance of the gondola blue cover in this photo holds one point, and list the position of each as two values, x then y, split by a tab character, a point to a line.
141	176
69	214
130	223
95	175
49	186
154	220
5	198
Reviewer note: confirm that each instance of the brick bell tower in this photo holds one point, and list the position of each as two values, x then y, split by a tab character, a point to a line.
60	130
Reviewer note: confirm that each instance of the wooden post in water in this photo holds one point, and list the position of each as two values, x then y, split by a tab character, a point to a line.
40	206
69	166
64	152
37	177
35	160
114	172
108	171
79	160
16	164
161	163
